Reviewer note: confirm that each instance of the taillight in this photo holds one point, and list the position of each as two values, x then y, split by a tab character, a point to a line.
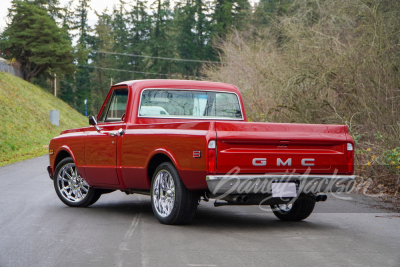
212	157
350	158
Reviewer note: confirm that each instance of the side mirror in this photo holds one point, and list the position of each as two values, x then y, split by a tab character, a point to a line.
93	121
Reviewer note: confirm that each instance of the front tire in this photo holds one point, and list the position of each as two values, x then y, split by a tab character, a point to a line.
71	188
171	201
297	211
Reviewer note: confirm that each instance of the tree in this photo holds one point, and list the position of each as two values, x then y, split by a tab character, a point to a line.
121	36
202	29
36	42
161	43
82	84
140	22
228	14
103	41
267	9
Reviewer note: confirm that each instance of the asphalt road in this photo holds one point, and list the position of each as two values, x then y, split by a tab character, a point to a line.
37	229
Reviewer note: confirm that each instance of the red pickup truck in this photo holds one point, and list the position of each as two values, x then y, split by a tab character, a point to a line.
185	141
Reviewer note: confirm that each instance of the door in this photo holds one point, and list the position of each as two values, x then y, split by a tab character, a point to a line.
101	146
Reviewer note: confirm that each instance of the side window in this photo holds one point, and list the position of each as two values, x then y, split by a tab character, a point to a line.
115	107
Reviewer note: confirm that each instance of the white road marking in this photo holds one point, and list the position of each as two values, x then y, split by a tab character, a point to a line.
128	235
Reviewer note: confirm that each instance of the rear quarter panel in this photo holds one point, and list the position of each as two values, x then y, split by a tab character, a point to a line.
175	140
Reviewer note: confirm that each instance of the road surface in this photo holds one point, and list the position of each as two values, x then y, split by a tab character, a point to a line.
37	229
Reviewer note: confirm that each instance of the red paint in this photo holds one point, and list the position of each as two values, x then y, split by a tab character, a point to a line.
124	164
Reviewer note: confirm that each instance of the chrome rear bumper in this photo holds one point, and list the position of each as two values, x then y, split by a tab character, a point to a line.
261	184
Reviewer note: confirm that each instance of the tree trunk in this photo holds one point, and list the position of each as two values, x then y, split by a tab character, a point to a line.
33	73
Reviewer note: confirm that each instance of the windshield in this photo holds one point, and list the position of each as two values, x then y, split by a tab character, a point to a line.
189	103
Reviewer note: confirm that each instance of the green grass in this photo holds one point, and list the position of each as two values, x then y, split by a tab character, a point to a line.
24	119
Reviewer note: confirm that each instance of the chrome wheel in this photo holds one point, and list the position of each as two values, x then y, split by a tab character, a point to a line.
71	185
296	210
284	207
163	193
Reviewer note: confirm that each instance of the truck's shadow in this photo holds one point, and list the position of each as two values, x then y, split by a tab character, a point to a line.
207	216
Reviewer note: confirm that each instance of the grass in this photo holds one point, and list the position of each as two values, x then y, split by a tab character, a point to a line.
24	119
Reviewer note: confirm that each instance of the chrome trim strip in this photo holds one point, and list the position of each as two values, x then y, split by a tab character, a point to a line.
262	184
279	176
190	118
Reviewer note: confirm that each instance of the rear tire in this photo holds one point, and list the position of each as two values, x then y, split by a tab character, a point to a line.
299	210
71	188
171	201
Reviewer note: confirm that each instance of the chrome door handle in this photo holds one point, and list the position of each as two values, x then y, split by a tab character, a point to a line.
119	133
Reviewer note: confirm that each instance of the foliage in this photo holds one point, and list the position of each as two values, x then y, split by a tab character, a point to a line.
392	159
36	42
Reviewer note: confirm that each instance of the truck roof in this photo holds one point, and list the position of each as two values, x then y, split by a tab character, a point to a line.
179	84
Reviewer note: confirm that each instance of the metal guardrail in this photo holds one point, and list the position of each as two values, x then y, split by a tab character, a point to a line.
9	69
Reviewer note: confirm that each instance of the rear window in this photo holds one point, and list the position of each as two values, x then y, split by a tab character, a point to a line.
189	104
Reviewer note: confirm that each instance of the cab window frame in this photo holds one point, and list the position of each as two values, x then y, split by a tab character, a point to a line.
107	105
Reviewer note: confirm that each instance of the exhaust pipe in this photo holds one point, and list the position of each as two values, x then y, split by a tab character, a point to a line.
245	199
321	198
238	199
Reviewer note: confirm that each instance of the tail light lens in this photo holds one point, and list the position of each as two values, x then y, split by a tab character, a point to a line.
350	158
212	157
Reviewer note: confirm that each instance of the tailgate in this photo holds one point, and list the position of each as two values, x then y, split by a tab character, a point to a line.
278	147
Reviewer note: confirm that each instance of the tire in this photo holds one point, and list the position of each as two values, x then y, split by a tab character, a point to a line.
298	211
71	188
171	201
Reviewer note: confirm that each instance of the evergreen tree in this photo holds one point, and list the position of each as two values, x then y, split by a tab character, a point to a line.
104	41
36	42
161	44
230	14
140	22
203	30
122	43
184	22
267	9
66	88
51	6
82	83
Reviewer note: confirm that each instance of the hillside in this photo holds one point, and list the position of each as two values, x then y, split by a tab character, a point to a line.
24	119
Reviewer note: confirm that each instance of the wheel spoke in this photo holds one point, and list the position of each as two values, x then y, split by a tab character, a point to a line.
163	193
69	176
72	171
72	187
